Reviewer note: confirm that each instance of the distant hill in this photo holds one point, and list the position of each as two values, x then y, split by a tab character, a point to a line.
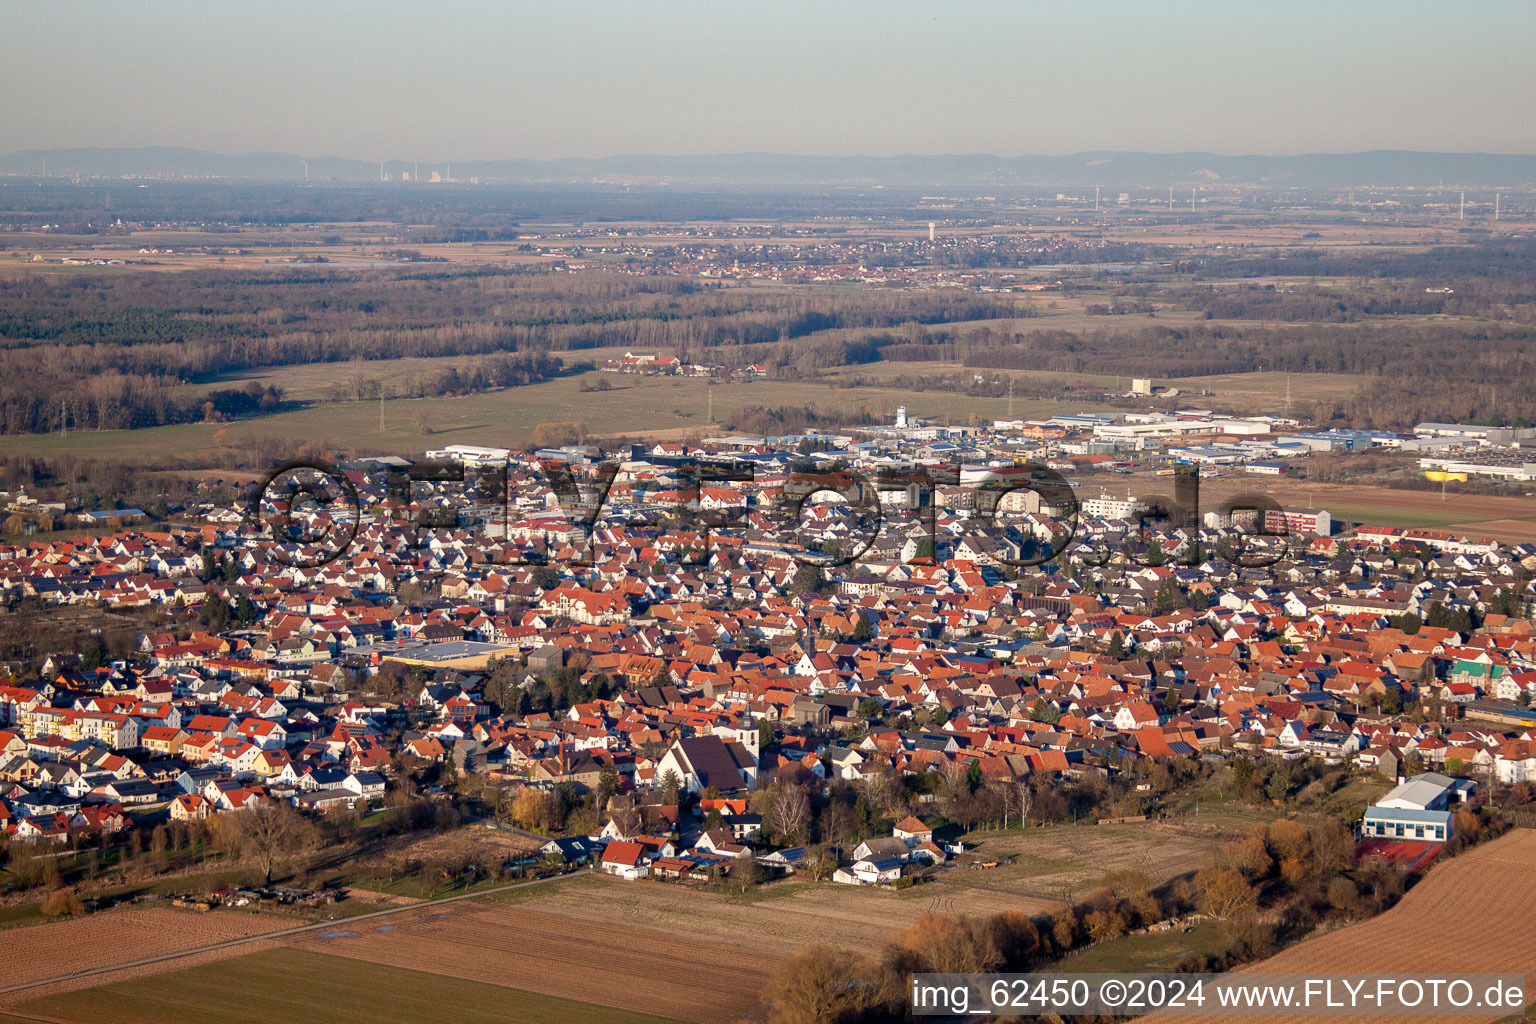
1388	168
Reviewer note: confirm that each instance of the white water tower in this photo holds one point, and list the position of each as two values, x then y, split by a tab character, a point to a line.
901	417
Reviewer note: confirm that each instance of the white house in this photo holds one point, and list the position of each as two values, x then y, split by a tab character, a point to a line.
869	872
1515	762
626	860
704	761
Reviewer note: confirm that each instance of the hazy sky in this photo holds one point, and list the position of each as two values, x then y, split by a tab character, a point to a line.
468	80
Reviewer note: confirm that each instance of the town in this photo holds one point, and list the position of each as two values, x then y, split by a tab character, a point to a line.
681	700
763	514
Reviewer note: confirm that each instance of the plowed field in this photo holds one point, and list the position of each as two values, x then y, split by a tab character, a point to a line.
1470	914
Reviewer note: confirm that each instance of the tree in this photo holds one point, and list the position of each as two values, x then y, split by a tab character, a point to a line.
1013	799
215	613
882	787
818	985
607	781
1242	774
1147	907
1116	646
1333	847
1043	711
1104	924
808	579
1289	839
527	807
821	864
791	810
745	873
271	831
1392	701
63	903
863	629
671	786
1064	928
1248	856
554	435
1016	937
1344	895
1168	598
626	817
950	944
1224	893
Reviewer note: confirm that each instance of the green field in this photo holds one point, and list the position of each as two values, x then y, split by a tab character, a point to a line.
1151	952
293	985
637	406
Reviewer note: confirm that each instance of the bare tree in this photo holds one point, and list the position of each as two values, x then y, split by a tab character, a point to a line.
822	864
745	873
271	831
883	788
791	810
818	985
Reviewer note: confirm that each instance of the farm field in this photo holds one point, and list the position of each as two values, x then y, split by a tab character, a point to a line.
1505	518
1063	862
1449	916
1150	952
608	939
291	985
636	407
1256	392
789	915
609	962
131	933
617	944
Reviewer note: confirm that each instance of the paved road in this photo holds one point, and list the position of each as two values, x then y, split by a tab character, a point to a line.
340	924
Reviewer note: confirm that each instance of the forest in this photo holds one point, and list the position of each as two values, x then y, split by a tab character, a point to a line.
112	352
1446	333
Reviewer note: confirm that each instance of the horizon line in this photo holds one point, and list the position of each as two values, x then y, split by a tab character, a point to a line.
975	154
